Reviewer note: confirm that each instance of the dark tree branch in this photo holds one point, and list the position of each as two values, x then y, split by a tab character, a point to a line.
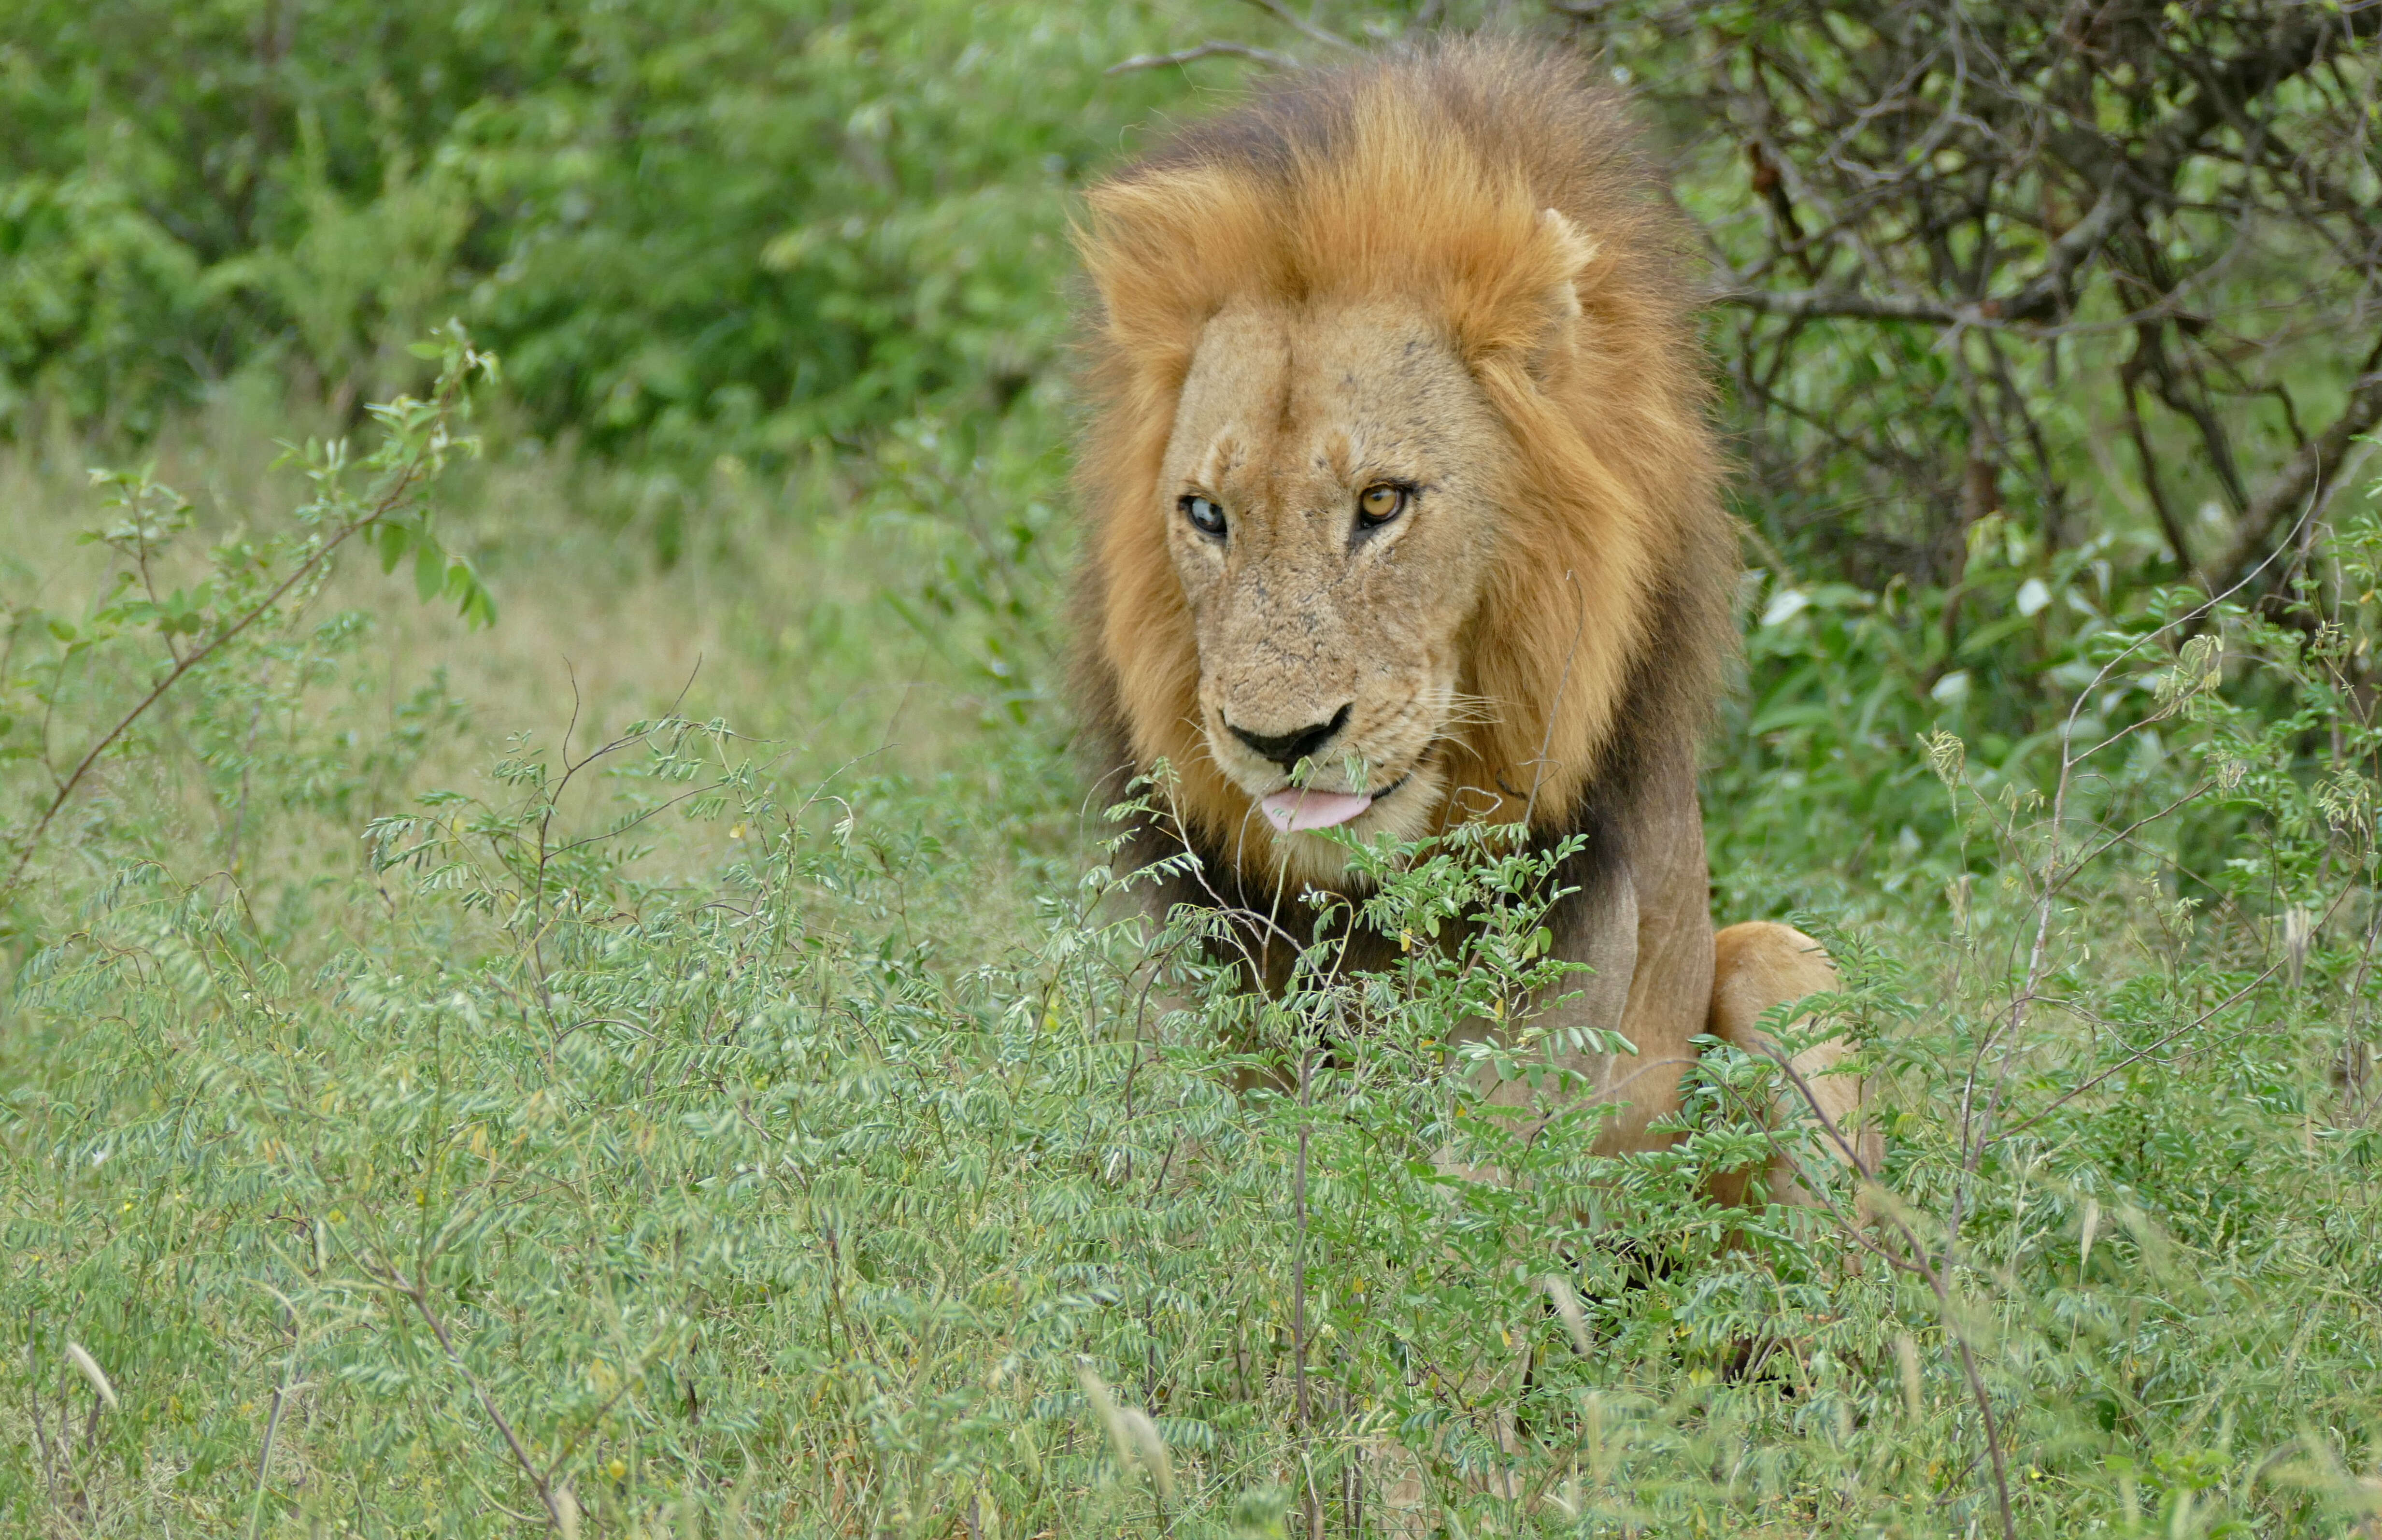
1808	304
2305	480
2128	185
2154	486
2051	179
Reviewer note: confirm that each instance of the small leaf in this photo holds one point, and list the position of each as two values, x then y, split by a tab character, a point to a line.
1784	606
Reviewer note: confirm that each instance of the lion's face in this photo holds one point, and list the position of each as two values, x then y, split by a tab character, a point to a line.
1331	517
1398	468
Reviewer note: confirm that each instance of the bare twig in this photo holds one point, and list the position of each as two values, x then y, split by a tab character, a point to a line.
1214	48
273	1423
1300	25
40	1427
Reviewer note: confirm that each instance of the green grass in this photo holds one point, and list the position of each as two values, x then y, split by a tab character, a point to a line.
424	1124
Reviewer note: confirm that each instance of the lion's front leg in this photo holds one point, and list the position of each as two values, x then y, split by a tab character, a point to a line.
1758	965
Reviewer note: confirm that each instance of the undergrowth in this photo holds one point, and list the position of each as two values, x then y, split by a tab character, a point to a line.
649	1135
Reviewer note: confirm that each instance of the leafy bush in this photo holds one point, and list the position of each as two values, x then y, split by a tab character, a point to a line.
231	632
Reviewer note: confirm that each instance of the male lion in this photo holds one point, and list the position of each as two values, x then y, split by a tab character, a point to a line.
1401	469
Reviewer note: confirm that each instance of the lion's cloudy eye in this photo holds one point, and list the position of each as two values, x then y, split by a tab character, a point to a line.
1380	503
1205	516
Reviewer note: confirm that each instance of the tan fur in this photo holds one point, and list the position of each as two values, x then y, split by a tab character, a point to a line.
1447	269
1758	966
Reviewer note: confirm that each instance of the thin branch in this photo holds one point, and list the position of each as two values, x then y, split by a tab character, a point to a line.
1805	304
281	1393
1937	1278
419	1292
409	475
1214	48
1300	25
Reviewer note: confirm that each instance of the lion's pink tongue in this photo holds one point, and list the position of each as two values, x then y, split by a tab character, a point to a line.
1295	809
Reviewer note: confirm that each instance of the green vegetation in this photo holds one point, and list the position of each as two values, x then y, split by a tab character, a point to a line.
686	226
559	975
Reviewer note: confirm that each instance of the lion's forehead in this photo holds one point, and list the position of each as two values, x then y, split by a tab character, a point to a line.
1281	405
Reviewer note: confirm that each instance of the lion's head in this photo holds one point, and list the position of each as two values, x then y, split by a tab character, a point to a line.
1404	501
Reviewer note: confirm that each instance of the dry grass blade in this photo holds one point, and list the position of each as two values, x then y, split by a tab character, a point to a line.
1567	1306
81	1358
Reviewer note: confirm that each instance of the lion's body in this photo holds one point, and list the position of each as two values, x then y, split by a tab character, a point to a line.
1447	277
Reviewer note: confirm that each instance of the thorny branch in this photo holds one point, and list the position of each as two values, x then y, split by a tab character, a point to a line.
2016	210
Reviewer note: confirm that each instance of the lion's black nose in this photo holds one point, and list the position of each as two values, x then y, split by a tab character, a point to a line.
1287	750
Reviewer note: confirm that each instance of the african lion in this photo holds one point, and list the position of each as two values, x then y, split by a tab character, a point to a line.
1401	469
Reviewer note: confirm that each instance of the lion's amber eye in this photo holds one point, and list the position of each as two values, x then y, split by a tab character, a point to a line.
1380	503
1205	516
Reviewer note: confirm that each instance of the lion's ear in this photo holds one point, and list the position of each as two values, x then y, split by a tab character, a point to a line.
1568	254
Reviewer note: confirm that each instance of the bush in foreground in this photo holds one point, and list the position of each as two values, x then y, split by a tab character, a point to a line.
619	1149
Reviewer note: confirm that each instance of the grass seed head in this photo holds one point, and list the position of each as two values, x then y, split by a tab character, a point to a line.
81	1359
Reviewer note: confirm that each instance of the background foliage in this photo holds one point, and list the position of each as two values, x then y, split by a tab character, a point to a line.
685	226
604	1029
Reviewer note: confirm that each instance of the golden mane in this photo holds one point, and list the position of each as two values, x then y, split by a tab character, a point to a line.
1429	175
